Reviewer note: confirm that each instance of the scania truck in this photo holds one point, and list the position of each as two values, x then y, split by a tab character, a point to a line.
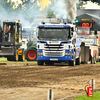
57	42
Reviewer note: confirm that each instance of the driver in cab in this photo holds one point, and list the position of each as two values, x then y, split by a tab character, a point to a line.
84	32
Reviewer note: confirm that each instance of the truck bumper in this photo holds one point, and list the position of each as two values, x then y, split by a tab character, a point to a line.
6	51
64	58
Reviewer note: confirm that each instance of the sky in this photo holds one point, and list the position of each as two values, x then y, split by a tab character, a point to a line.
91	5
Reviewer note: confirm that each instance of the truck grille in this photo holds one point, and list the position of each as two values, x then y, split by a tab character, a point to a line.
53	50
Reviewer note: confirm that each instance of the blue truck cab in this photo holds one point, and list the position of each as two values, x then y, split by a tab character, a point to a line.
58	43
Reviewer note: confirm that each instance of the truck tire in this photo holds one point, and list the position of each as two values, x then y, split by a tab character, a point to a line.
22	57
73	62
40	62
31	55
9	58
93	60
78	60
13	57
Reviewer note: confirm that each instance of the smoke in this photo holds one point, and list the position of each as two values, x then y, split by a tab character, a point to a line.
58	9
65	9
71	8
24	13
26	10
12	16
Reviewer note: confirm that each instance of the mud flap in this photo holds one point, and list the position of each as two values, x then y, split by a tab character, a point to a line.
84	54
87	54
6	51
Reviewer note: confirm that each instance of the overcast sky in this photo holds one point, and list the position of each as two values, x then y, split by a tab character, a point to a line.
91	5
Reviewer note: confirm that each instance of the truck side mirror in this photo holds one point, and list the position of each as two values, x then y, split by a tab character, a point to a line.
72	29
74	34
37	36
95	32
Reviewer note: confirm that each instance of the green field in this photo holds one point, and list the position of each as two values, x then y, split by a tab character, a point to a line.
98	63
3	60
96	96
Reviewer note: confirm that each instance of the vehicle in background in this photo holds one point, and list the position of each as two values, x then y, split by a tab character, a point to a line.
89	45
11	41
89	39
28	33
29	44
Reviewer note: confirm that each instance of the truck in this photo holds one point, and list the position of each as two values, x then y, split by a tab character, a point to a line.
89	39
29	43
31	51
89	47
57	42
11	41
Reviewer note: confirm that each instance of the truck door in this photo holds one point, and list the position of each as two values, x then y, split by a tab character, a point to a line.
18	34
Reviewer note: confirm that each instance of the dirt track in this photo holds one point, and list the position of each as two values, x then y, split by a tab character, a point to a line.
28	81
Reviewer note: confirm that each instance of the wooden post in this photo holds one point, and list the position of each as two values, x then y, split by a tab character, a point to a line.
92	86
50	94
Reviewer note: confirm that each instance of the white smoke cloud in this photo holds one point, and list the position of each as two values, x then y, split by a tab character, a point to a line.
65	9
71	8
14	15
61	8
58	9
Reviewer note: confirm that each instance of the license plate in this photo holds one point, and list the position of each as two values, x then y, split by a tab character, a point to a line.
54	59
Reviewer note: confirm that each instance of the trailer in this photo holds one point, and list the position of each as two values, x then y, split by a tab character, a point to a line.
11	41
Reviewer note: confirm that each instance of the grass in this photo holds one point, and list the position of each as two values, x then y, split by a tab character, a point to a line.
3	60
96	96
98	63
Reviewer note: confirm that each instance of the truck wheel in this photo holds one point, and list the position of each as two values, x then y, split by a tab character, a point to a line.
16	56
31	55
93	60
40	62
22	57
73	62
78	60
13	57
9	58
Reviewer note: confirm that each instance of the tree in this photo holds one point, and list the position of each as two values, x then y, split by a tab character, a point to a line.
50	13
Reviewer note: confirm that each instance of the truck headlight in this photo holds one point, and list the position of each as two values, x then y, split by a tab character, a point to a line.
68	53
39	53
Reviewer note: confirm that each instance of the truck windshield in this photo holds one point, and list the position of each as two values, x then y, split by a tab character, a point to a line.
53	34
8	32
83	31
